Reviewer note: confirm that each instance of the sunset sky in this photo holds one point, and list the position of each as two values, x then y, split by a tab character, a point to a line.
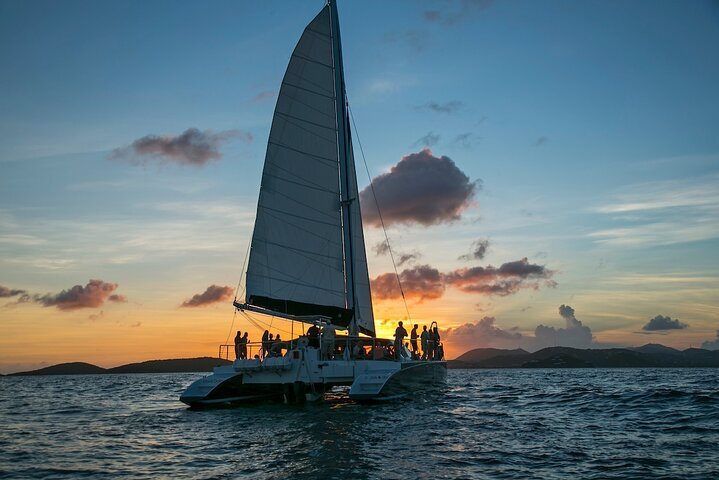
551	169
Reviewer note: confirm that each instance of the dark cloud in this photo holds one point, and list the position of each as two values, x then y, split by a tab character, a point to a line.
540	141
422	283
213	294
192	147
449	107
6	292
505	280
382	248
265	95
117	298
479	250
428	140
92	295
660	322
712	344
404	258
419	189
455	12
574	335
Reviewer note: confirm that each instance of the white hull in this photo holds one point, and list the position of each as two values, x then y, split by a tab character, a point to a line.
301	376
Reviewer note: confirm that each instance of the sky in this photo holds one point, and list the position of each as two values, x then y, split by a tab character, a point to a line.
550	170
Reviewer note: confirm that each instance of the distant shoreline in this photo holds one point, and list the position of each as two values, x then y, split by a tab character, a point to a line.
175	365
647	356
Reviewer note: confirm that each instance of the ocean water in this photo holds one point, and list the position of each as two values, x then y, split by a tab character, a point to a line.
624	423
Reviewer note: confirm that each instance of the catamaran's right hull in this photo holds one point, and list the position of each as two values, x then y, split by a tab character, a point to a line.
410	379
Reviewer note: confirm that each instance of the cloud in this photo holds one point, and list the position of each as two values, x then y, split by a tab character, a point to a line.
428	140
213	294
540	141
96	316
479	250
486	334
192	147
265	95
117	298
448	16
574	335
6	292
419	189
416	39
408	258
712	344
483	333
421	283
92	295
505	280
662	213
382	248
661	322
449	107
465	140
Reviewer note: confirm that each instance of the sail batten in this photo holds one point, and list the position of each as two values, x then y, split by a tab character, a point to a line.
307	257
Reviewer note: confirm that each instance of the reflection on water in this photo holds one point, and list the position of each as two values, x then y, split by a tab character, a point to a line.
485	424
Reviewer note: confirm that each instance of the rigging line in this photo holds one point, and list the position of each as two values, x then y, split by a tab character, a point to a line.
234	315
244	263
379	212
232	325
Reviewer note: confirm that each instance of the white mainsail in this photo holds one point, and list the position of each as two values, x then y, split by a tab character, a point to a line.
307	254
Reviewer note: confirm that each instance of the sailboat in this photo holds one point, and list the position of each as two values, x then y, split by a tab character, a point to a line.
307	258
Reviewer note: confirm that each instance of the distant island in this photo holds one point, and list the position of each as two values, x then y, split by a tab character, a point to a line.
647	356
650	355
177	365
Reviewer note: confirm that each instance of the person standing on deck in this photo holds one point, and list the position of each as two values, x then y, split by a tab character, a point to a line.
431	344
238	340
265	343
243	345
399	335
413	342
437	348
424	339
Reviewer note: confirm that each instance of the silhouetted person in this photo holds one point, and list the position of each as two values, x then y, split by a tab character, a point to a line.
238	340
413	341
436	344
425	340
430	345
243	345
276	350
399	335
313	336
265	343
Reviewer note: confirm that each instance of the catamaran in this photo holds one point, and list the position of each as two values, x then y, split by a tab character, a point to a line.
307	258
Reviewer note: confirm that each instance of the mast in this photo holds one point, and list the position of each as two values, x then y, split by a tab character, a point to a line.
343	140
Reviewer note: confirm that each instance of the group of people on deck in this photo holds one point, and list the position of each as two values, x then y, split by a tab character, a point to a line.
271	346
429	341
241	342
